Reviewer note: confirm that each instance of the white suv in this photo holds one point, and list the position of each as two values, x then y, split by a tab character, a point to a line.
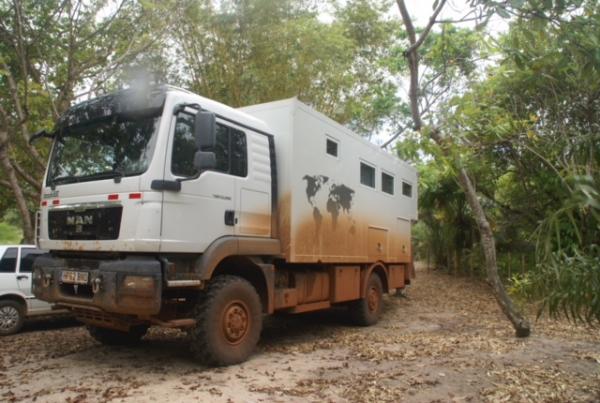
16	299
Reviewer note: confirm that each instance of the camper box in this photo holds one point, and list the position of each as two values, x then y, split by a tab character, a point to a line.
340	199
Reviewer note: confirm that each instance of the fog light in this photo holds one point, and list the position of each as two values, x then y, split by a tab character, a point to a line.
138	285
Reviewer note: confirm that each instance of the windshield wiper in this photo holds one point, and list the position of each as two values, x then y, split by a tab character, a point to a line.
116	174
105	175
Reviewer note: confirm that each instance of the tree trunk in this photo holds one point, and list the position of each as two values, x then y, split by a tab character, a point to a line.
521	325
28	232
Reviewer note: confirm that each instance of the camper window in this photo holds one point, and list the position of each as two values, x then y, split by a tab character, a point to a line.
332	147
387	183
367	175
407	189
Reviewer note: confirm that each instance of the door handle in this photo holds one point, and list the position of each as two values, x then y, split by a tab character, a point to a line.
230	217
22	277
159	184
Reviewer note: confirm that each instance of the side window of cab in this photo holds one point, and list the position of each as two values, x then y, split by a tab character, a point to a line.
184	146
230	149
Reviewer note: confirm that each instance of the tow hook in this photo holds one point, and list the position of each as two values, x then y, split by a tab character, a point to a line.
96	284
46	280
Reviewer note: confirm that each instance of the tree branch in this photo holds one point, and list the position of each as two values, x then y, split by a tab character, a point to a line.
16	188
416	44
23	174
22	123
394	137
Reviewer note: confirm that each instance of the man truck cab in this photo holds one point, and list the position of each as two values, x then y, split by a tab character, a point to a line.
161	207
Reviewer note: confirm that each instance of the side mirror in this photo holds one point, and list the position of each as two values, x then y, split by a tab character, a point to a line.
204	160
205	131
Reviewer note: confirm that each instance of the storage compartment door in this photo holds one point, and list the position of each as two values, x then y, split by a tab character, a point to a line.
403	239
377	243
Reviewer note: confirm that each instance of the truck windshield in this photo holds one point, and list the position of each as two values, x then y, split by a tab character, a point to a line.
104	149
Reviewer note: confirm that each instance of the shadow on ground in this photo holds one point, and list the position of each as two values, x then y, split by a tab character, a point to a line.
49	323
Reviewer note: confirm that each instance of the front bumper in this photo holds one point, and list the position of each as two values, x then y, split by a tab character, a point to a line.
130	286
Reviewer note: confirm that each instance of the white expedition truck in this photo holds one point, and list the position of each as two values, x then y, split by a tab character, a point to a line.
161	207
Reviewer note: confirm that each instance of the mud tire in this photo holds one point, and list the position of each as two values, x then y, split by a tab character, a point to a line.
229	322
367	311
12	317
112	337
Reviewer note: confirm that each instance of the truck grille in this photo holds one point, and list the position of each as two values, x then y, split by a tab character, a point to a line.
88	224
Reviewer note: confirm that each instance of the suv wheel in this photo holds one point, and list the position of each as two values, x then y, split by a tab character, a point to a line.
12	316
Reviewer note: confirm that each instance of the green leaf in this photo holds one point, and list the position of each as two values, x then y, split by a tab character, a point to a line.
501	11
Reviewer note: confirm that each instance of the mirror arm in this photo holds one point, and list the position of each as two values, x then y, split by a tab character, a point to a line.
40	134
180	107
189	178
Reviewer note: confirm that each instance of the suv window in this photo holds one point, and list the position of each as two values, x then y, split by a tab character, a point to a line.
28	255
230	149
8	264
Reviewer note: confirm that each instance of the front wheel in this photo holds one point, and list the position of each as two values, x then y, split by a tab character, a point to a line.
228	322
366	311
12	316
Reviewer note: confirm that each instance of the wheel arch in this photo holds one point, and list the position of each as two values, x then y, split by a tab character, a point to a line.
379	269
243	257
16	298
260	276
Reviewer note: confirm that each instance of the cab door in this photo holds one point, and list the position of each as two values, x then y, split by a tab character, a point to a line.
198	213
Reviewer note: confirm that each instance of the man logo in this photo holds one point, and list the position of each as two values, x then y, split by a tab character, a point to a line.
79	221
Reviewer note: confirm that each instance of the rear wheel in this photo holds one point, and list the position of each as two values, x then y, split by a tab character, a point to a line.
112	337
229	322
367	311
12	316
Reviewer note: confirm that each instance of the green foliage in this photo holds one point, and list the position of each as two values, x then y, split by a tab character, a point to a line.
533	9
566	285
10	234
529	136
446	233
52	52
575	226
259	51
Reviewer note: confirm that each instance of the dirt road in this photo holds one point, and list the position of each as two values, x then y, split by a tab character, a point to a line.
446	342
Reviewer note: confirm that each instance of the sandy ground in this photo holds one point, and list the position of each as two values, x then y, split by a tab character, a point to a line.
447	341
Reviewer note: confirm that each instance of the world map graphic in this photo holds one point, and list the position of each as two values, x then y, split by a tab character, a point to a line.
339	199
